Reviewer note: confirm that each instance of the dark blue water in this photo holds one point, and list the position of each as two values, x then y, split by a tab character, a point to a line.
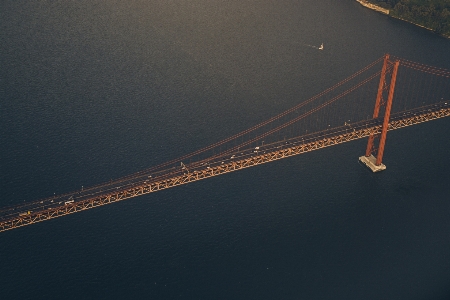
94	90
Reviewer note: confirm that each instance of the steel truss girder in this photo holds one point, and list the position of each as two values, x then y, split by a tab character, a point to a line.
207	172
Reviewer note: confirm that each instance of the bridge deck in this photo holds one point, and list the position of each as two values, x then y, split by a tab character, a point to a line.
34	212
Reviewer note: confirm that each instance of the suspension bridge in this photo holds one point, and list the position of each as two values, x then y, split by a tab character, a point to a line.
406	93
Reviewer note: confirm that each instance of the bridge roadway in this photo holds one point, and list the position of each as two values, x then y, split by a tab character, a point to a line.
144	183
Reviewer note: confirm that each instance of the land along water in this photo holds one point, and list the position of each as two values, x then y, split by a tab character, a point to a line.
96	90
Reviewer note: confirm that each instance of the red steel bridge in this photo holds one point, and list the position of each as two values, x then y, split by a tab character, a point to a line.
405	92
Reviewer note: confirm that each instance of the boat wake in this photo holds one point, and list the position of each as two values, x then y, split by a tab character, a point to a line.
315	47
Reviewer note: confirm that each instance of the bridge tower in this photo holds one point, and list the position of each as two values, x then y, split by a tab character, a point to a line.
374	155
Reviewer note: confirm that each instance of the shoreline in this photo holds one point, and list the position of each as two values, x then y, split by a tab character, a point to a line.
373	7
387	12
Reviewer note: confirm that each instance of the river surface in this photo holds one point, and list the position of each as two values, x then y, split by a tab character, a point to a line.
94	90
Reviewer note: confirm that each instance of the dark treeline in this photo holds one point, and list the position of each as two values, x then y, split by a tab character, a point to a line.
433	14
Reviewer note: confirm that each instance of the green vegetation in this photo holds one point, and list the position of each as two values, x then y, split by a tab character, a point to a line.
433	14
